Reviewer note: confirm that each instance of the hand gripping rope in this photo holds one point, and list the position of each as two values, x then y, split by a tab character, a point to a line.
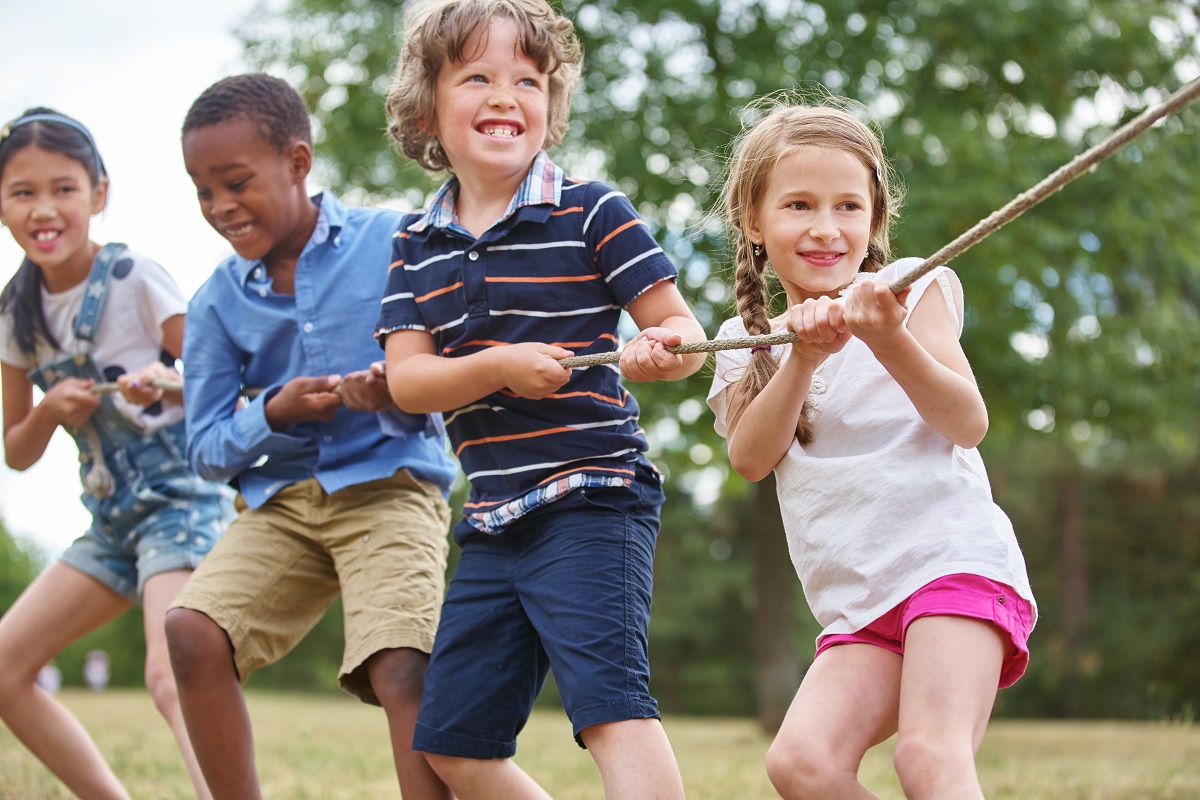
982	229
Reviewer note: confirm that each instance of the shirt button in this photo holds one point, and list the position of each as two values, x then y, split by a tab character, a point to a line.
473	255
263	292
258	272
327	438
818	385
308	327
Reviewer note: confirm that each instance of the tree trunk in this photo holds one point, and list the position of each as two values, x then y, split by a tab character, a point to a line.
777	669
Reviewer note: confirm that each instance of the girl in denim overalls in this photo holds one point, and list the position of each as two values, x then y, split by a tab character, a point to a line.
74	316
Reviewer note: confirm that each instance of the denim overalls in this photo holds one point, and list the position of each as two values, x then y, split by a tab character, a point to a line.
150	512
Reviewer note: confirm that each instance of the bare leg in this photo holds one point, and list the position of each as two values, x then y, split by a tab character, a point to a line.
951	671
157	594
846	705
214	708
60	606
491	779
398	678
635	760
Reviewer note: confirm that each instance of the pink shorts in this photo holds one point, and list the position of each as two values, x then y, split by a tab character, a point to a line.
954	595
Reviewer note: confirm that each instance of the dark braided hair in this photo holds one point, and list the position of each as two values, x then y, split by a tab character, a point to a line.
48	130
276	109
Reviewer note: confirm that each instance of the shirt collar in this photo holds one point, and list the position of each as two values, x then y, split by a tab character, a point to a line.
542	185
331	217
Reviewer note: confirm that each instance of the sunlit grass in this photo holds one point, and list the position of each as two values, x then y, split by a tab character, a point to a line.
331	747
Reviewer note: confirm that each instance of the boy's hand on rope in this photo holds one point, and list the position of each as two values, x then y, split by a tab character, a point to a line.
646	358
71	402
139	389
820	329
366	389
303	399
874	314
531	369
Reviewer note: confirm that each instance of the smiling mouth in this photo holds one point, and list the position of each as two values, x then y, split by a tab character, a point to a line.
46	236
237	231
501	131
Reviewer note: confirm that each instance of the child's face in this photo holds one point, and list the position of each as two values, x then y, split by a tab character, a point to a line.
814	220
490	111
46	201
249	192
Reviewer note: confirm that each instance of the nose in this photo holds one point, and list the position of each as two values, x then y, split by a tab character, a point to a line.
220	204
824	228
501	97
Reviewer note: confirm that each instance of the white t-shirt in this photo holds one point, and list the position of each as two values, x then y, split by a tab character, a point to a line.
141	297
879	504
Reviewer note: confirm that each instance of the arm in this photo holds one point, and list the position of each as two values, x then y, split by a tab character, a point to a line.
665	321
924	357
138	387
28	428
422	382
760	435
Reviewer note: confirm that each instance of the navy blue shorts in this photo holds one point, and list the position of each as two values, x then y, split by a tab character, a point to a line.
564	588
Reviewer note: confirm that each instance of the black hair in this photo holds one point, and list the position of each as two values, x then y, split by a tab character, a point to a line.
57	133
276	109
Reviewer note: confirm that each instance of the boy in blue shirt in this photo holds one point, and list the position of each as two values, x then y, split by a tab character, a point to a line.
511	268
340	491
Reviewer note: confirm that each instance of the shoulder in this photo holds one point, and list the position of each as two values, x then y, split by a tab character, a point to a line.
732	328
223	280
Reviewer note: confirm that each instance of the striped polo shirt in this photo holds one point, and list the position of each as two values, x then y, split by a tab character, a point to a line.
558	268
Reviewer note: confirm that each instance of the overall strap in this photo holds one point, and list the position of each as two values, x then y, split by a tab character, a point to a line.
87	322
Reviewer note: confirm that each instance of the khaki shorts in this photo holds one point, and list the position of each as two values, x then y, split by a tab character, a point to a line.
270	578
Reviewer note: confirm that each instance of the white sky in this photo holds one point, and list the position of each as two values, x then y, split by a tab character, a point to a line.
128	70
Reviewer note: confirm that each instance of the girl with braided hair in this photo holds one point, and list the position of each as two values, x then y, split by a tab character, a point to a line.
870	423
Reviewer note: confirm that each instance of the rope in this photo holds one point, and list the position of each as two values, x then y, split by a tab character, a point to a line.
981	230
110	388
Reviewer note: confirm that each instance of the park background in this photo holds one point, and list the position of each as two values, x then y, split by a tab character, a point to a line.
1082	322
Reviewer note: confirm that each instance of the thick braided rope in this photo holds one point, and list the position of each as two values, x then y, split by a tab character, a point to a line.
980	231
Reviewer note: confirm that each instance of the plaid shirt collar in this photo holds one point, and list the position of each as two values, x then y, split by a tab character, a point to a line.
542	185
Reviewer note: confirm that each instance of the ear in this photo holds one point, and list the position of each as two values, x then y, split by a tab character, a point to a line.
753	231
100	195
300	160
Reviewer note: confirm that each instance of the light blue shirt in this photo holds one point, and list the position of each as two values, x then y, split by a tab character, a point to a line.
242	337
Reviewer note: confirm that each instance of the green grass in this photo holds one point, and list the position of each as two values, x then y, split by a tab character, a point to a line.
331	747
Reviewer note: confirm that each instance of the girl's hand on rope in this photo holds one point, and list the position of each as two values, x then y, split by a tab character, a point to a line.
875	315
138	387
71	402
820	329
531	369
645	358
366	389
303	399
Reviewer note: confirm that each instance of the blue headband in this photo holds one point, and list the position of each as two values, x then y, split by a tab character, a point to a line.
59	118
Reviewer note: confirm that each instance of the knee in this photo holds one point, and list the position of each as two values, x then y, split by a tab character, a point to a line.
161	683
798	772
921	761
398	676
452	769
195	643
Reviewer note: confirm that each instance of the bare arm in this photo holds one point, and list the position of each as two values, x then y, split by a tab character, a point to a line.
28	427
422	382
665	321
924	357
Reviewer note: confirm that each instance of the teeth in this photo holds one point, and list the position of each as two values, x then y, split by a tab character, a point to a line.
241	230
505	133
46	236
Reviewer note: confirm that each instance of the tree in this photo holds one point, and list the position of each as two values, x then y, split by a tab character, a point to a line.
1082	315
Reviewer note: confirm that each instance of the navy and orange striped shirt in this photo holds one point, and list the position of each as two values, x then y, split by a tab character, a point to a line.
557	268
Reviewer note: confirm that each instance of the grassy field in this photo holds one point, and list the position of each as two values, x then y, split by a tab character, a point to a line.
330	748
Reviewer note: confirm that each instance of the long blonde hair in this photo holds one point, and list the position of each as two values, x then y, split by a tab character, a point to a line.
756	152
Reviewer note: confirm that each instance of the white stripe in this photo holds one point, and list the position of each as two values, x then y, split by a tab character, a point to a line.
451	324
391	298
577	312
469	409
546	465
631	262
543	246
435	259
596	208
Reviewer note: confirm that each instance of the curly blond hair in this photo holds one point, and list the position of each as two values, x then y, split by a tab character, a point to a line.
436	31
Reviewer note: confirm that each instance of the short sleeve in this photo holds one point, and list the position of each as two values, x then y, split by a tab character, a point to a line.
398	309
730	366
159	297
627	255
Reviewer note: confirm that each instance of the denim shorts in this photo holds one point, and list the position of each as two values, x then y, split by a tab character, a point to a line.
564	588
161	517
959	595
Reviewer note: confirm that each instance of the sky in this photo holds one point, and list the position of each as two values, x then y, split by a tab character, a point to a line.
127	70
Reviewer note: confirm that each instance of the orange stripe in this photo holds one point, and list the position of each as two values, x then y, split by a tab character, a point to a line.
624	227
564	279
436	292
395	264
571	210
565	395
510	438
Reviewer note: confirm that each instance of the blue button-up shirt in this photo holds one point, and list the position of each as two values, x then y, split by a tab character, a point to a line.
244	338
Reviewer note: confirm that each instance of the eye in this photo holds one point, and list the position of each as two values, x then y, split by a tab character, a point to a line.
203	194
476	79
798	205
531	82
237	186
